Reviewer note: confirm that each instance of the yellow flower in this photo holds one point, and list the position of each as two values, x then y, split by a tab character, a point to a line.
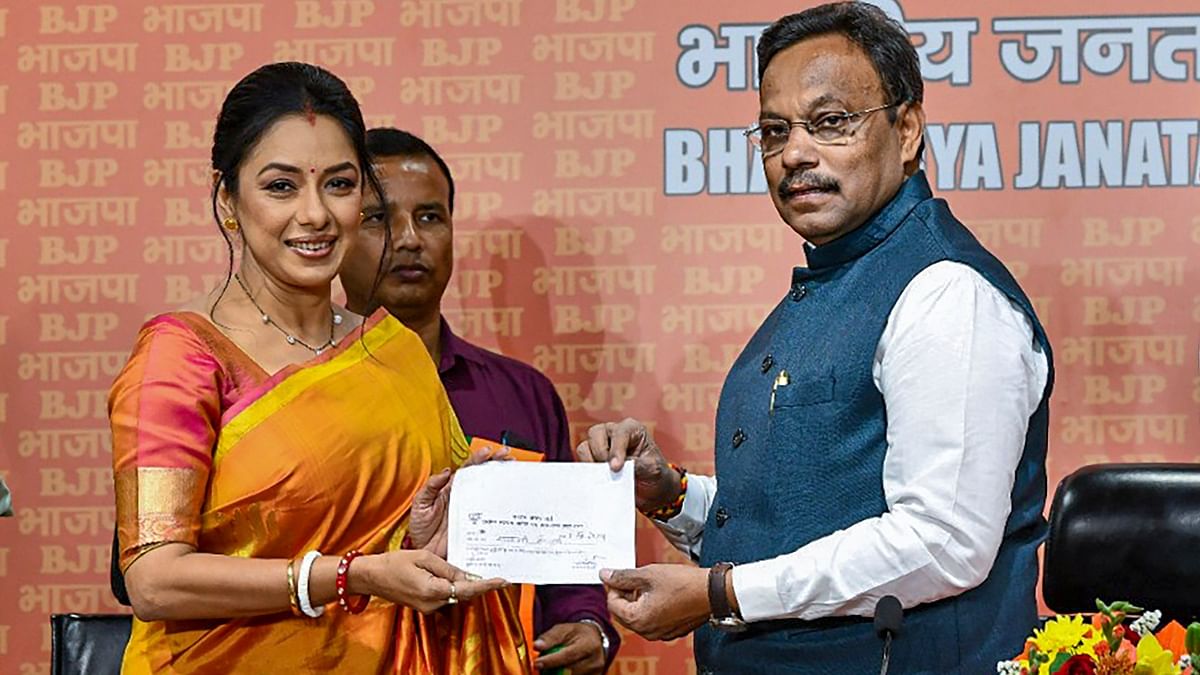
1152	659
1062	634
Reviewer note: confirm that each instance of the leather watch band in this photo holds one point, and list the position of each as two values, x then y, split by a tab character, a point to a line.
718	601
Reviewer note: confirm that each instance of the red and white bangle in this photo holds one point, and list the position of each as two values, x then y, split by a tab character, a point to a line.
352	604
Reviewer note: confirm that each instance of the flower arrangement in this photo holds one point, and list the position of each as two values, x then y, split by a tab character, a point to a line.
1118	640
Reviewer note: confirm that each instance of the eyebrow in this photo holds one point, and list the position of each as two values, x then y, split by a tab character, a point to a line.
288	168
392	206
823	99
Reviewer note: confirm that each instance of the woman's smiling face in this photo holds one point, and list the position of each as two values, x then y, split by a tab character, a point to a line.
299	200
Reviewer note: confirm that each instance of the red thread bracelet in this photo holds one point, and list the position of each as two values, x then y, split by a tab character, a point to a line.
674	508
352	604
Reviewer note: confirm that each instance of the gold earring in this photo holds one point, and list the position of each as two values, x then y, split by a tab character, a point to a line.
230	224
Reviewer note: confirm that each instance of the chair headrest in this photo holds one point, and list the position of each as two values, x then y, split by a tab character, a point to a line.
1125	532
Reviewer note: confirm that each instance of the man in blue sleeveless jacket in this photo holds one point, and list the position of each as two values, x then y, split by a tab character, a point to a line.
884	430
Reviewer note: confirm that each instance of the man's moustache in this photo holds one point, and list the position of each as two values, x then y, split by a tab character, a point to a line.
808	180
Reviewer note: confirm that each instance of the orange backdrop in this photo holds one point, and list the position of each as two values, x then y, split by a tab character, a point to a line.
613	227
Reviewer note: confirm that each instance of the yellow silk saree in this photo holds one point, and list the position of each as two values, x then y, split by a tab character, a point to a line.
210	450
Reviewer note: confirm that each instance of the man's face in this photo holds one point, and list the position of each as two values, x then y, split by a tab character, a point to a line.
825	191
418	265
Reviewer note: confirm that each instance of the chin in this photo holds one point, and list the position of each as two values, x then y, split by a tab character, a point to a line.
314	277
814	225
809	230
392	298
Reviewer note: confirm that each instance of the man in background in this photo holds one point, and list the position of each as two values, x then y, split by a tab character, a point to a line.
495	397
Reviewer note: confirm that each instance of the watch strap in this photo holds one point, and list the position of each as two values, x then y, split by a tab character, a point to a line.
718	601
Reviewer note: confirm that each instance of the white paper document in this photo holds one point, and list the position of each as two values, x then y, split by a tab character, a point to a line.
542	523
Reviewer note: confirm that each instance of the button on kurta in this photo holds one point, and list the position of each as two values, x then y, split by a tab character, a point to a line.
768	361
721	516
739	437
798	292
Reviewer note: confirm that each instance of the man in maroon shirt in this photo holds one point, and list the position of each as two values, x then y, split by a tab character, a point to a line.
495	397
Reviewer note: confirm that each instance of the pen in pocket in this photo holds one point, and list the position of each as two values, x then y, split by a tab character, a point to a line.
781	380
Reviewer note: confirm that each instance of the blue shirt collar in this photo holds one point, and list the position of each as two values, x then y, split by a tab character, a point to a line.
858	242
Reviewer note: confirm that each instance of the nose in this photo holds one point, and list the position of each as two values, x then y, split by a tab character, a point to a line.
800	151
311	210
404	233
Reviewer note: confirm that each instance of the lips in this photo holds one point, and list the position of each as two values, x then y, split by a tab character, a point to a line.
806	197
312	247
409	272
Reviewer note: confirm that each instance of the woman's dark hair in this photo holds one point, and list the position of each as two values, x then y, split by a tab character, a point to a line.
389	142
883	40
261	99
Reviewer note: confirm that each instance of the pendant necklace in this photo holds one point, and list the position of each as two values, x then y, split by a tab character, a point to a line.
335	320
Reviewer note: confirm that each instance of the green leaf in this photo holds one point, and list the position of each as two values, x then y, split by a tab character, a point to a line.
1128	607
1192	639
1062	658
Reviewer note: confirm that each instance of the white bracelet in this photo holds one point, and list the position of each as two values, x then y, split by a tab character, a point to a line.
306	566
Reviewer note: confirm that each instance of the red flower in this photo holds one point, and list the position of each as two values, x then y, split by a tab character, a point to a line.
1080	664
1129	634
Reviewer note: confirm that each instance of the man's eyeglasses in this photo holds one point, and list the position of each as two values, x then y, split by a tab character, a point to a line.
836	128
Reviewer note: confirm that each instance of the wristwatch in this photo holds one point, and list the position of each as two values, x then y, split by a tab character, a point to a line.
604	643
723	616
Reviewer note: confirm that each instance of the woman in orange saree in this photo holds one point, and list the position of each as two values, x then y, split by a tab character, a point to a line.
247	461
327	456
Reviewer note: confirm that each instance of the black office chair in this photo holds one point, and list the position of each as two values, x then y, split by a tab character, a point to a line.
1125	532
91	643
88	644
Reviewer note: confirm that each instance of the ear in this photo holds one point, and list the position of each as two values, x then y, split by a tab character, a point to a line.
911	126
224	200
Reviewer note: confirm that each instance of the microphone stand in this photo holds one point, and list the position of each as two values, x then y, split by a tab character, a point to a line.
887	653
889	616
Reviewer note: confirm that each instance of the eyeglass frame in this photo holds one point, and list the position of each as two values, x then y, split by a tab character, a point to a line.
753	129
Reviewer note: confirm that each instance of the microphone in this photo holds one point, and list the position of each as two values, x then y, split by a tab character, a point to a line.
889	616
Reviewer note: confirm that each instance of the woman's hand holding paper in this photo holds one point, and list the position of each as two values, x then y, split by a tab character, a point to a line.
427	526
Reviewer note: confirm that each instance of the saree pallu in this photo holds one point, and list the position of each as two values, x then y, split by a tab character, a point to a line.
325	456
